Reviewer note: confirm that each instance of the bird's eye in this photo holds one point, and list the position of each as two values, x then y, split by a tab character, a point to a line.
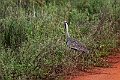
66	22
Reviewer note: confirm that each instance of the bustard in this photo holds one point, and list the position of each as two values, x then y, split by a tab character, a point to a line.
72	42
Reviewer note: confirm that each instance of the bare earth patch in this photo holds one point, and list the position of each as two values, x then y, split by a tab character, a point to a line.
99	73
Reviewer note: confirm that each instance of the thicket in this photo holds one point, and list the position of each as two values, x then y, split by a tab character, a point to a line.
32	39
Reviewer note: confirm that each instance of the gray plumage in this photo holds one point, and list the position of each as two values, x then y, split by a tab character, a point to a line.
72	42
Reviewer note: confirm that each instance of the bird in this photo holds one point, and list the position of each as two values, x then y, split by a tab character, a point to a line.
74	43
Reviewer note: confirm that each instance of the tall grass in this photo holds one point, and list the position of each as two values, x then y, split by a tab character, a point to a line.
32	39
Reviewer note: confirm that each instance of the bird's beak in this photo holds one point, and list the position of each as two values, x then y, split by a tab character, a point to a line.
62	22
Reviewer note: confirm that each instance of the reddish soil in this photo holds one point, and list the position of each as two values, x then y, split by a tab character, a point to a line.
99	73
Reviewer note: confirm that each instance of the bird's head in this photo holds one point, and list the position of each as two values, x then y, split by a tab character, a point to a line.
65	23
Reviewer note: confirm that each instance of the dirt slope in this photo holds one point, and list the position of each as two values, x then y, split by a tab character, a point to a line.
97	73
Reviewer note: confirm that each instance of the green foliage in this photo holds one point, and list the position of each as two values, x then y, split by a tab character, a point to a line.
32	40
13	32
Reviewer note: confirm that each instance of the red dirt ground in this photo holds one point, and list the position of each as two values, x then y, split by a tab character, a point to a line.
99	73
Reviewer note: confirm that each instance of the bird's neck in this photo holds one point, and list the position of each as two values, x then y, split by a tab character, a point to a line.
67	34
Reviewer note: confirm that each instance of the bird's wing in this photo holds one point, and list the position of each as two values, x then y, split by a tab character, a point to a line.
77	45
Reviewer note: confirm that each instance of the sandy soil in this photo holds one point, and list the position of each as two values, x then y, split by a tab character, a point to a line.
98	73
